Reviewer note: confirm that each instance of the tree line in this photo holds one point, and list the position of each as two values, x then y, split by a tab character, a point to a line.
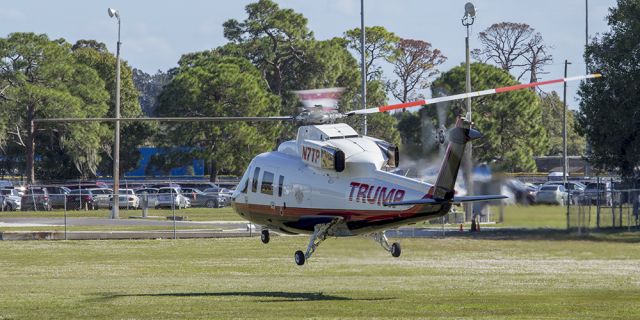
269	54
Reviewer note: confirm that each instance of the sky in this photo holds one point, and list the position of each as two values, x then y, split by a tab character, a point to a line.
156	33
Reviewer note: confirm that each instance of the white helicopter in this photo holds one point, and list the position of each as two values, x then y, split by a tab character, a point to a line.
331	181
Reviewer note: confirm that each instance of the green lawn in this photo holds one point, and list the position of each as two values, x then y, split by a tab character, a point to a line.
346	278
195	214
540	216
530	217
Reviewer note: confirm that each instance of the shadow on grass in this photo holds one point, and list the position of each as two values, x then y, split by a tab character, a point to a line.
278	296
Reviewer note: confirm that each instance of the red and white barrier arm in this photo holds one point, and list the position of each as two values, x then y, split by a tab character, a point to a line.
470	94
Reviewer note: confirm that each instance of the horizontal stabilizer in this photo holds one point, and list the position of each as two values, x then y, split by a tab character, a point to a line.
441	201
478	198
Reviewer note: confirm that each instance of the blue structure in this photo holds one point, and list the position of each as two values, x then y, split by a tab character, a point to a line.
148	152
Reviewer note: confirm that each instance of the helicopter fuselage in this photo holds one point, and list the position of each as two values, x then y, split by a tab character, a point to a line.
283	190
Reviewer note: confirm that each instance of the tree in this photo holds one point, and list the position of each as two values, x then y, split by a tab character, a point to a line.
511	122
271	38
609	108
514	46
207	84
380	44
133	134
41	78
279	44
414	63
149	87
552	109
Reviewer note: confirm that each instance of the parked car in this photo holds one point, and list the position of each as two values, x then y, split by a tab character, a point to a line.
127	199
172	197
86	185
101	197
151	194
201	199
599	193
574	188
88	198
57	195
552	194
35	198
12	198
197	185
226	193
521	194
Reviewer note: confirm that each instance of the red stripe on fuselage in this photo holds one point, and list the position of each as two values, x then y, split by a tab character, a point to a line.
349	215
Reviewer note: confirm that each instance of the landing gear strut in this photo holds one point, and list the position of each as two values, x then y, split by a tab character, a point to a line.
264	236
320	233
394	248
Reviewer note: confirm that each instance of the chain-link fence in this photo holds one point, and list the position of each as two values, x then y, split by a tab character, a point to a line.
147	213
604	209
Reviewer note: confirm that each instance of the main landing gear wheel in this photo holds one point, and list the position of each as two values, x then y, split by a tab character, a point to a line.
396	250
299	256
381	238
264	236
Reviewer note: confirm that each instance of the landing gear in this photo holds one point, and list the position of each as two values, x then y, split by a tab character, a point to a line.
394	249
264	236
299	256
320	233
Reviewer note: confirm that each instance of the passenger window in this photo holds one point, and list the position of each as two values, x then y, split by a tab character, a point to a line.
280	185
254	182
267	183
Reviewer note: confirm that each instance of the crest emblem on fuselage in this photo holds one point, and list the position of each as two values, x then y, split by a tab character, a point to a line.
299	195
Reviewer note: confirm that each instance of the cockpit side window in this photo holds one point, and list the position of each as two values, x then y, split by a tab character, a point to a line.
243	186
254	182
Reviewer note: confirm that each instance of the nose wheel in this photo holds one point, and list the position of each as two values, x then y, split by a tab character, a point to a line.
264	236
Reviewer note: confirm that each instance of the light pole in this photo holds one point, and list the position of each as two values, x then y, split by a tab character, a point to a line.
565	166
115	213
364	68
467	20
586	32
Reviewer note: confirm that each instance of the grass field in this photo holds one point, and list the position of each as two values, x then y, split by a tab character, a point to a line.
195	214
553	217
346	278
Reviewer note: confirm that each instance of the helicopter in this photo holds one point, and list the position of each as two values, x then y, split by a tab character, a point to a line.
332	182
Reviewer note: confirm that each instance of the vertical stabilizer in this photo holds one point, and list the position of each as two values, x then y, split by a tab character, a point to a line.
458	138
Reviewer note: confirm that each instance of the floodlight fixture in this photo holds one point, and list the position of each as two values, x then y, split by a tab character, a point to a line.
470	10
469	14
113	12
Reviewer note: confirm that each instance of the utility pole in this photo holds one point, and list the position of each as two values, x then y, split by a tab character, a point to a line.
364	66
586	32
115	213
565	167
467	20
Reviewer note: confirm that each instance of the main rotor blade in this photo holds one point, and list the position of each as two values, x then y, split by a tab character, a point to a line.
168	119
470	95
